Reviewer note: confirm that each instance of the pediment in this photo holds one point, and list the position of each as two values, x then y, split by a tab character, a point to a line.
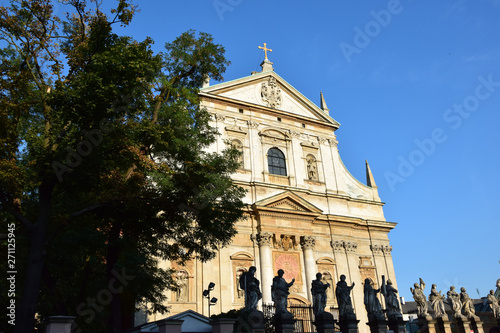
288	201
269	90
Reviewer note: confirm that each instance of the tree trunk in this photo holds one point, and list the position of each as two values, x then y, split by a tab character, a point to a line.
115	320
25	318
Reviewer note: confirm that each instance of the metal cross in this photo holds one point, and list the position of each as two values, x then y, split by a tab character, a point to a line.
265	50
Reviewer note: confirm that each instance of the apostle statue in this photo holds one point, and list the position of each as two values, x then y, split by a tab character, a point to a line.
437	302
391	298
250	285
372	304
497	292
419	297
343	294
494	304
279	292
468	309
454	301
318	291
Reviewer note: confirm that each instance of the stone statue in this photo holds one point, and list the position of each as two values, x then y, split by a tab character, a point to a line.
437	302
279	292
494	304
250	285
391	298
419	297
182	291
468	309
344	298
318	291
454	301
372	304
497	292
312	172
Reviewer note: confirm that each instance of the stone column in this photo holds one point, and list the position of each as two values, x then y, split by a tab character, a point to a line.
265	240
59	324
307	244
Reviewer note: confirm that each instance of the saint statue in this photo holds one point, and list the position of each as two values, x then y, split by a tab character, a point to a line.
372	304
419	297
454	301
468	309
494	304
391	298
497	292
279	292
344	298
437	302
250	285
318	291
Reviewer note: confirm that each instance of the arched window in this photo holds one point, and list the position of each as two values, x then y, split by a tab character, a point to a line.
276	162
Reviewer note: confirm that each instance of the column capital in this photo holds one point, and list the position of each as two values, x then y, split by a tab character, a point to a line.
307	242
376	249
265	239
338	246
350	246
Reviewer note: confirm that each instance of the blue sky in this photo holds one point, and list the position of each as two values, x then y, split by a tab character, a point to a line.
416	87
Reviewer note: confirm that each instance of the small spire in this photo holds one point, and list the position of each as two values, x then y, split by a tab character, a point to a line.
370	181
323	103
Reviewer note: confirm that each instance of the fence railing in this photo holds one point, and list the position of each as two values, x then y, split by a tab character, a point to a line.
302	313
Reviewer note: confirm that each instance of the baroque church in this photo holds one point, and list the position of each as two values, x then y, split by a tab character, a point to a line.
305	213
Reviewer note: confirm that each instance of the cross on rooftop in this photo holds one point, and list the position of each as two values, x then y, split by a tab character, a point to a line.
265	50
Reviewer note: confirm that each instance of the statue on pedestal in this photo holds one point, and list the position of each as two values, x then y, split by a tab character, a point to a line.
318	291
468	309
497	292
454	301
419	297
250	285
391	298
372	304
344	298
437	302
494	304
279	292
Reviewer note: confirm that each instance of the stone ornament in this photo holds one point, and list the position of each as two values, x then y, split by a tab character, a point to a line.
308	242
391	298
265	239
279	293
318	292
419	297
337	245
343	294
454	301
250	285
182	292
437	302
377	249
271	93
252	124
219	117
350	246
312	169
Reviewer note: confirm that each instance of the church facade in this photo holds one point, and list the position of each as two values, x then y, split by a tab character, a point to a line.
305	212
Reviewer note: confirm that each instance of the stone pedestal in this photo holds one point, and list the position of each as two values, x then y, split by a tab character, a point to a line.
463	324
444	324
169	326
427	324
349	324
223	325
325	323
59	324
254	321
476	325
396	324
284	323
377	324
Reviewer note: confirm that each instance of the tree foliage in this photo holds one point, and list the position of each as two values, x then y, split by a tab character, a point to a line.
104	167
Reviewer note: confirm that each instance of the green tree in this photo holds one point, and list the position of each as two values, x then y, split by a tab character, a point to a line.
104	168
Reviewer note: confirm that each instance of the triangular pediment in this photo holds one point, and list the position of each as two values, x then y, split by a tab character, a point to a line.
269	90
288	201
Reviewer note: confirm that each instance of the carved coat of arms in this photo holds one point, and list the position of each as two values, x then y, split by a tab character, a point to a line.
271	93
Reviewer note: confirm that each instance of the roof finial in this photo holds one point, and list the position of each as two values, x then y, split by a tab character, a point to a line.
370	181
265	51
323	103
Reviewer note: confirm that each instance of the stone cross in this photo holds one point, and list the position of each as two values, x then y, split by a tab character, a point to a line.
265	50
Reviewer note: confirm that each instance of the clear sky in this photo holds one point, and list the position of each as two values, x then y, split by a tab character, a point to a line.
416	88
